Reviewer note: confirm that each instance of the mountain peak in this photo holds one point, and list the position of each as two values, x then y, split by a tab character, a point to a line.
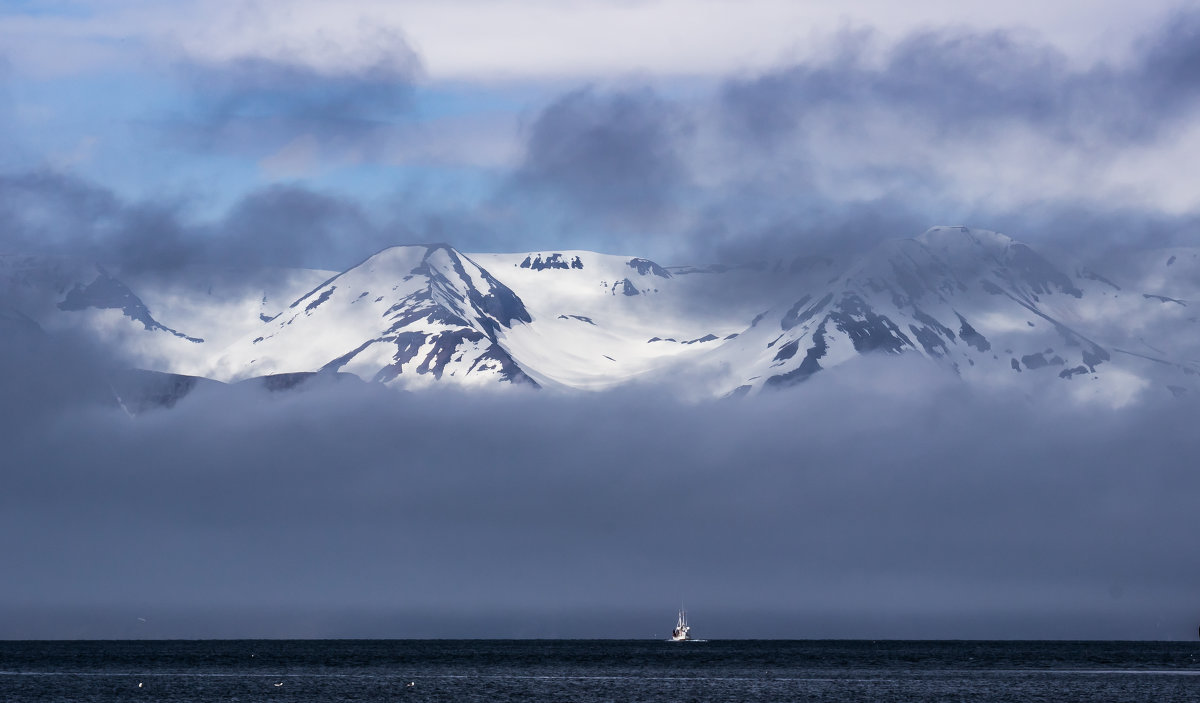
979	303
960	241
406	315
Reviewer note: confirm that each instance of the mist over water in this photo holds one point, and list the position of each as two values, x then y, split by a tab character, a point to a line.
837	509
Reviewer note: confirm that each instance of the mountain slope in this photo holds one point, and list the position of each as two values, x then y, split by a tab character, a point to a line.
600	320
407	316
985	305
61	294
979	304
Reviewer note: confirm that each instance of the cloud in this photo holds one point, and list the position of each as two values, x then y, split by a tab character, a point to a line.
832	154
965	83
997	129
56	214
1170	67
1091	233
848	507
45	211
613	157
247	102
876	137
297	158
47	375
874	140
475	41
302	226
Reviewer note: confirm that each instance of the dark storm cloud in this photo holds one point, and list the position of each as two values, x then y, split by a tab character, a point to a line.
612	157
845	509
963	83
51	213
241	104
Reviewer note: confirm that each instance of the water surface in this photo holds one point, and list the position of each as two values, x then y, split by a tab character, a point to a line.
597	670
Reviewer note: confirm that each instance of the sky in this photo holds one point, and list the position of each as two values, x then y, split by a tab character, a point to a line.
681	131
873	503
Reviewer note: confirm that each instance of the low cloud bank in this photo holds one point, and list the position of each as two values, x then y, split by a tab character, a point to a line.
835	509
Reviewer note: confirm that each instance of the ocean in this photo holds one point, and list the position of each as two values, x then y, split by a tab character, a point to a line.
597	670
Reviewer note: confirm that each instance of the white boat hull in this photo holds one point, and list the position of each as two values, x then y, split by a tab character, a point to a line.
681	631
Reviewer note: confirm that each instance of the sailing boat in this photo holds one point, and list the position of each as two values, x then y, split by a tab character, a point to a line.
680	633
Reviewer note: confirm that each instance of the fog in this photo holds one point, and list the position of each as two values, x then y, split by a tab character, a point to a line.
842	508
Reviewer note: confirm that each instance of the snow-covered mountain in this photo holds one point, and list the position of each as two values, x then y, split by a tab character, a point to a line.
990	308
409	315
977	303
600	320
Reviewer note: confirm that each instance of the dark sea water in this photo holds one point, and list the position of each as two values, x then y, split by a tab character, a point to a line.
598	670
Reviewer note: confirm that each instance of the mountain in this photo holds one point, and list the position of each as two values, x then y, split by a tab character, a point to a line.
991	309
206	310
408	316
600	320
981	305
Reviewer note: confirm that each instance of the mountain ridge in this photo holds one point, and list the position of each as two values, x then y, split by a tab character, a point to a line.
985	306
